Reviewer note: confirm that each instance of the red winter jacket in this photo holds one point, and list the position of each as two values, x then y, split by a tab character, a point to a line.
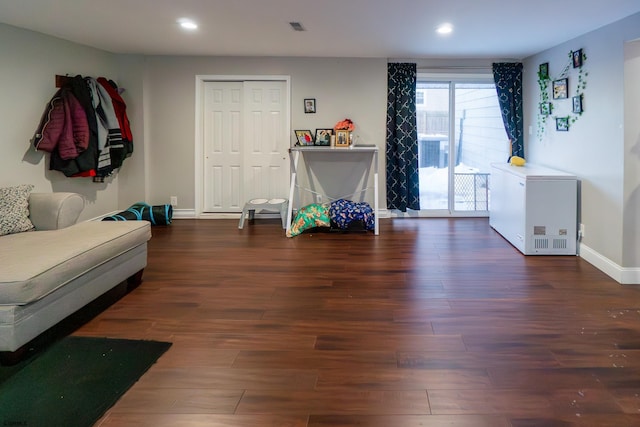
119	107
63	127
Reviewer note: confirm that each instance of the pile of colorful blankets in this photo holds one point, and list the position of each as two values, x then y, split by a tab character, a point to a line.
341	214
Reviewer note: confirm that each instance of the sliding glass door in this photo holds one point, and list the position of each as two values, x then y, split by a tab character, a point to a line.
460	133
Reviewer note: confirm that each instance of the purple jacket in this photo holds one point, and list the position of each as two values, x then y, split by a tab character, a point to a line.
63	126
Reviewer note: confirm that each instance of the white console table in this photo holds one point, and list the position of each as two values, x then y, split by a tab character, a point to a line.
337	155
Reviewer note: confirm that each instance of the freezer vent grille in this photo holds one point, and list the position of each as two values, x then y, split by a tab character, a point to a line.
541	243
559	243
549	244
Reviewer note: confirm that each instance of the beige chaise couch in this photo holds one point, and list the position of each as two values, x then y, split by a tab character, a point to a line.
50	273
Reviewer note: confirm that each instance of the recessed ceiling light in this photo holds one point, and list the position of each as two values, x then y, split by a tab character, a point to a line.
187	24
445	28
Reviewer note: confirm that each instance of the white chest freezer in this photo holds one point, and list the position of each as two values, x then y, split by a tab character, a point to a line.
535	208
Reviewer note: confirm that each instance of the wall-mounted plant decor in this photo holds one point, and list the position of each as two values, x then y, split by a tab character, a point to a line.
561	92
581	85
545	107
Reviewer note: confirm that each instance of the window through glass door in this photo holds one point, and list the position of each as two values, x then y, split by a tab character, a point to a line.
460	133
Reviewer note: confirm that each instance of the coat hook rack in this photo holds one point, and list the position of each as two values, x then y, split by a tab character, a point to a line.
62	81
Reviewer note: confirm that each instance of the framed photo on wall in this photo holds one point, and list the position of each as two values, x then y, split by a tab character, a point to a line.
561	88
310	105
577	104
577	58
543	71
546	108
562	124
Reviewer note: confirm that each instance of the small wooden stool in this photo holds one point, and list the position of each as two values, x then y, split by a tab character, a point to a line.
253	205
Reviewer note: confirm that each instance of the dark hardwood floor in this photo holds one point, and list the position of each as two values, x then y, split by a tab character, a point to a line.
435	322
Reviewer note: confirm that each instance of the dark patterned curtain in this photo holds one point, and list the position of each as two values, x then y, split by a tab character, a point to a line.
508	79
403	187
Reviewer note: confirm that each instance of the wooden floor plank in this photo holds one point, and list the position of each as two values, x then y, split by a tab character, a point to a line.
415	342
407	421
144	400
203	420
206	377
404	379
334	402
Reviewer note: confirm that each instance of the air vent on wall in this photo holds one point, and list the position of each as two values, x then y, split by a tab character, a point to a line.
297	26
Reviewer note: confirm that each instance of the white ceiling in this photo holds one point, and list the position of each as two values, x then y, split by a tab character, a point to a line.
509	29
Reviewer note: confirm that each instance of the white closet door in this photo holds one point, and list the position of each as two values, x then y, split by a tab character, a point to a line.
265	150
245	143
223	147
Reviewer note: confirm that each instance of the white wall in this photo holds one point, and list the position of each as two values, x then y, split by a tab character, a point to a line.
594	148
132	177
353	88
28	67
631	206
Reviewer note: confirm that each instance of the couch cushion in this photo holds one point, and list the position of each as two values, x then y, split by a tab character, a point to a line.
34	264
14	209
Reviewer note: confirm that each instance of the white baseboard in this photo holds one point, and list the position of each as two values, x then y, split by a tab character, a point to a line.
622	275
184	213
100	217
191	214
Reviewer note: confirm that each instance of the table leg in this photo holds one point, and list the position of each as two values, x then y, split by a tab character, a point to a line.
294	176
375	194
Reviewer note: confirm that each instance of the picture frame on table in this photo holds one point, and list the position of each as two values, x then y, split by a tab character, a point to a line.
323	137
310	105
561	88
562	124
342	138
577	104
304	137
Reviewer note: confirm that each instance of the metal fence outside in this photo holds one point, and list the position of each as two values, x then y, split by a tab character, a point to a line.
471	191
